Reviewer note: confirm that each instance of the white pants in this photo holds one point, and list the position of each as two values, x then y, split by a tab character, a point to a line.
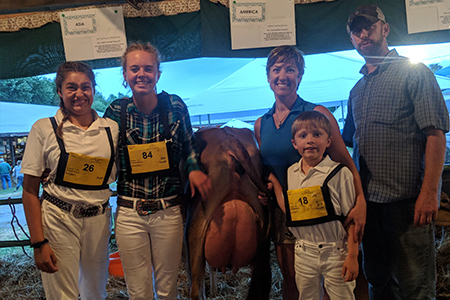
81	247
146	242
317	262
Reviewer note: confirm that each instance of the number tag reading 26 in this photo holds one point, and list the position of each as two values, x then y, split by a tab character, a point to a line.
148	157
86	170
306	203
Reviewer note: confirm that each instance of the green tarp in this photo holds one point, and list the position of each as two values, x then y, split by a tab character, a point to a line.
320	27
39	51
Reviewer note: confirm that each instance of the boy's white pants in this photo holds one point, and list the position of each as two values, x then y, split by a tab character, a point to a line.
150	242
81	247
321	262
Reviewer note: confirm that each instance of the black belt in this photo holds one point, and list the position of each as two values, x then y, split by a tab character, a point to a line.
145	207
79	210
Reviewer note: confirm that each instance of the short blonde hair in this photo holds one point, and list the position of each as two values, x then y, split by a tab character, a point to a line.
311	118
286	54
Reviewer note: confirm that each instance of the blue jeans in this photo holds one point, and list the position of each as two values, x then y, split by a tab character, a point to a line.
19	182
399	259
5	179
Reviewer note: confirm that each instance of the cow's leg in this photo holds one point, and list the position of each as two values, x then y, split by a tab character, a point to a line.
212	280
286	257
197	271
195	256
261	274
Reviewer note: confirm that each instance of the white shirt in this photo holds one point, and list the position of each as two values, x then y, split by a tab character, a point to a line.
342	192
42	151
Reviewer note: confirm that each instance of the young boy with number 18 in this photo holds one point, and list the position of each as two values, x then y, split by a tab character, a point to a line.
320	193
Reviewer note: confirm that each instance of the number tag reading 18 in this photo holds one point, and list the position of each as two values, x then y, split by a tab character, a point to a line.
148	157
306	203
86	170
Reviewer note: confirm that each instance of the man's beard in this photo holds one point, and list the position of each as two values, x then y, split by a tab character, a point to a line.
373	49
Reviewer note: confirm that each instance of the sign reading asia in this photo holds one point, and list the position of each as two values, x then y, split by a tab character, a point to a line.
93	33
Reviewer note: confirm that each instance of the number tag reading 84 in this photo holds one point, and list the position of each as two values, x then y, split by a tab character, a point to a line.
306	203
148	157
86	170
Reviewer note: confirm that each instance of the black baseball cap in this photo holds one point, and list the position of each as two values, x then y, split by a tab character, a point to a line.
371	13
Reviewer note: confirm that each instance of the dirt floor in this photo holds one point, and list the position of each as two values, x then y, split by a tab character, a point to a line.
19	279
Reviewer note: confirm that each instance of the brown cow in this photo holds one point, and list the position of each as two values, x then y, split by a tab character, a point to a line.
230	229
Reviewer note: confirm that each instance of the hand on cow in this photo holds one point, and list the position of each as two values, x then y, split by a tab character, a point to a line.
263	198
200	181
45	259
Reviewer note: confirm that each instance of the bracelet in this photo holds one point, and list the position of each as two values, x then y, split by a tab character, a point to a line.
39	244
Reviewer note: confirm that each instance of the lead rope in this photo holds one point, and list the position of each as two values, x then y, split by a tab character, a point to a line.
14	217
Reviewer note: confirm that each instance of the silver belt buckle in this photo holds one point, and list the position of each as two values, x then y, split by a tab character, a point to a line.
84	210
140	208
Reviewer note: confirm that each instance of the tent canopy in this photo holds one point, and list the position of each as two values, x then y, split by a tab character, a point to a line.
320	28
217	90
17	118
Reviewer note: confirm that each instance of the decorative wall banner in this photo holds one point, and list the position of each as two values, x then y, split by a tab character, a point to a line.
227	4
150	9
427	15
262	23
93	33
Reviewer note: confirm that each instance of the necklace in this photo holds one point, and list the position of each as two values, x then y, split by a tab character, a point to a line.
281	119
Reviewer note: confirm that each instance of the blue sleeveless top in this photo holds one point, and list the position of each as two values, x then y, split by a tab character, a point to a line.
276	146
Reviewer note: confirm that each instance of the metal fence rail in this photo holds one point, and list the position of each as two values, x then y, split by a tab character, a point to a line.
13	243
22	243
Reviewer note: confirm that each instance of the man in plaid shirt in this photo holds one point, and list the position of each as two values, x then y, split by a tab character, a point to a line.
397	120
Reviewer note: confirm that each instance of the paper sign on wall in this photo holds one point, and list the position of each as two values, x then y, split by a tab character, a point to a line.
427	15
93	33
262	23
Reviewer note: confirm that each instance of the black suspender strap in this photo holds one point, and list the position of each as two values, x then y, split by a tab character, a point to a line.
111	159
123	121
331	175
163	111
326	192
63	158
331	216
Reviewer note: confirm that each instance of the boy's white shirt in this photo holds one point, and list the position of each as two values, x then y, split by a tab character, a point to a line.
342	192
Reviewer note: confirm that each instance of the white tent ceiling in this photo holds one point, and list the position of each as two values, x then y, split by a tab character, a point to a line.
227	88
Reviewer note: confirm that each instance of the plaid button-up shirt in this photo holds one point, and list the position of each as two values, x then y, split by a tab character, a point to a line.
388	111
143	129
